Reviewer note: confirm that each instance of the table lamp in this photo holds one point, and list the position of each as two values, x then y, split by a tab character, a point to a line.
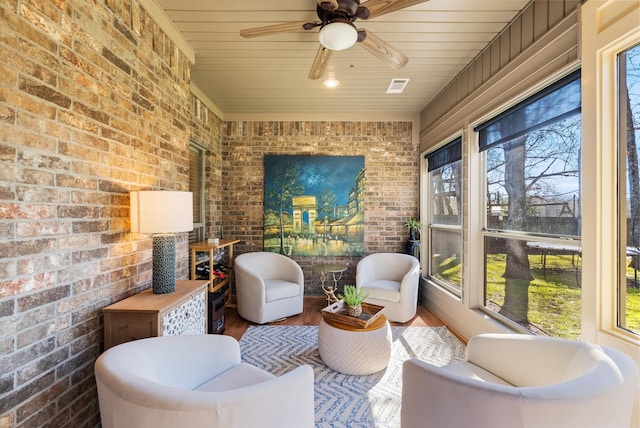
162	213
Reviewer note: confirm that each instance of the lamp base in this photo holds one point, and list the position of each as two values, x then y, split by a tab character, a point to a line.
164	263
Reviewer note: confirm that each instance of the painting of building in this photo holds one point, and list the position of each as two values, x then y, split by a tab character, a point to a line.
314	205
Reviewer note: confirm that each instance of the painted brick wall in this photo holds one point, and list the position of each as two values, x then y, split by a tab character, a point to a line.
94	102
392	180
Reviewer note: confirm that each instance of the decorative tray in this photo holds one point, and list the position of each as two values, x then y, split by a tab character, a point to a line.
337	312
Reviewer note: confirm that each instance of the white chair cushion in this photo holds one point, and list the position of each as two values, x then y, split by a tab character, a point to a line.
236	377
277	289
383	289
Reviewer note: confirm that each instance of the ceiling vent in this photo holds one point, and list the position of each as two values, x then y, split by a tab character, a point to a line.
397	86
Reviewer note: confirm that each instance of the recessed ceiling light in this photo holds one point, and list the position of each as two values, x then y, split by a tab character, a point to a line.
331	82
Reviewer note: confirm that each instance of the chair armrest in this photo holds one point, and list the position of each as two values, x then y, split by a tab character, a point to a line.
292	272
287	399
548	360
143	372
364	272
202	357
283	402
251	283
445	398
409	284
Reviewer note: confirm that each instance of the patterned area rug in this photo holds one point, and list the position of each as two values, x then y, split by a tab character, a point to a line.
345	401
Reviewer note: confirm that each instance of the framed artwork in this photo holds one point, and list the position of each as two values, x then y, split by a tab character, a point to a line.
314	205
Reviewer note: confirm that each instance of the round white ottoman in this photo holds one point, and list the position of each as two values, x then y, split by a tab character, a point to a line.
354	351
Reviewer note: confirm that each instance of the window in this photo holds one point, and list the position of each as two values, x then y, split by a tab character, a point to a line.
629	188
196	186
533	219
445	216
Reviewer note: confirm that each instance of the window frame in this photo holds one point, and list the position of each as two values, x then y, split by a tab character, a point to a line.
596	24
608	28
483	231
456	139
621	290
199	227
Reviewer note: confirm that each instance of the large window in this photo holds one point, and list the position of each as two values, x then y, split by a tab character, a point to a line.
629	185
445	216
533	218
196	186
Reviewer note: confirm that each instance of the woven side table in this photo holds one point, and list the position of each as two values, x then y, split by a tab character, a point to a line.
355	351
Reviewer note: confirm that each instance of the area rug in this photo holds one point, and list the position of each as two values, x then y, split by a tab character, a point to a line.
346	401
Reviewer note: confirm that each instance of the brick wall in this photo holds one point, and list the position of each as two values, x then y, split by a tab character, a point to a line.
392	180
94	102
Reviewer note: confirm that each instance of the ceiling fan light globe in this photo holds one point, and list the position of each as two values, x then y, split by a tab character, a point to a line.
338	36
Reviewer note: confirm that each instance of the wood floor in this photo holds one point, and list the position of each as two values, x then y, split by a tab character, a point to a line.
236	326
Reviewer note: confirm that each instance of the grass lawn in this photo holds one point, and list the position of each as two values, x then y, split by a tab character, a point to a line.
633	309
554	301
449	270
554	295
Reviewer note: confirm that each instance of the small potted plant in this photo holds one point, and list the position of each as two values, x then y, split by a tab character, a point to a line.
414	225
353	298
413	244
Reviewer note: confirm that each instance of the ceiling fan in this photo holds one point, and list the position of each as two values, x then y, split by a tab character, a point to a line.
338	32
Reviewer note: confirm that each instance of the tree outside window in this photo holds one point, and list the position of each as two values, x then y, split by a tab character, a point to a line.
629	185
533	218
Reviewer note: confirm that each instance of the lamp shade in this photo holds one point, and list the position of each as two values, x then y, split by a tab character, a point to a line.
161	211
338	36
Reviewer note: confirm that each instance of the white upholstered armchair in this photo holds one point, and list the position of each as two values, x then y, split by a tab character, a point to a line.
269	286
197	381
517	381
391	279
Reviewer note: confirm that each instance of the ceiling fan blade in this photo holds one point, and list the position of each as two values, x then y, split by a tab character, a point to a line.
320	63
329	6
383	50
285	27
381	7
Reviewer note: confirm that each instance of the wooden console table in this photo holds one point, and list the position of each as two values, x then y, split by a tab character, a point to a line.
145	314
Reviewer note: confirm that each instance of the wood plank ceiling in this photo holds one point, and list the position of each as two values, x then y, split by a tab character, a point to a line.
268	75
